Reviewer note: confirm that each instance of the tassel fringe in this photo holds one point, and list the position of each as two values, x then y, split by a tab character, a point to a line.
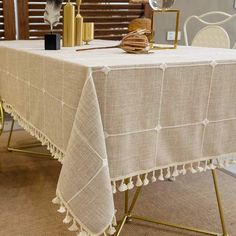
67	219
174	171
56	200
161	177
145	181
62	209
154	179
111	230
83	233
75	226
130	184
123	187
139	182
56	152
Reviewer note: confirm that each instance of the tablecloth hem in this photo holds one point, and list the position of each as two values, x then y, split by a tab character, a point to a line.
56	152
77	226
169	171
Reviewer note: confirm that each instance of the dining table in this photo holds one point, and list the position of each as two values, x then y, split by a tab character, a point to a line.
117	121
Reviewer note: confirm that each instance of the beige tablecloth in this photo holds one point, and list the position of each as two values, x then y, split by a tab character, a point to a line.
108	116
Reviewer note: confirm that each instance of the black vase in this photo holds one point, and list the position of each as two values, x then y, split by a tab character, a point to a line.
52	41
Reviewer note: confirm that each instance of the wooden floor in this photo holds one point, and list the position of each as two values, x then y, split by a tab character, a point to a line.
27	185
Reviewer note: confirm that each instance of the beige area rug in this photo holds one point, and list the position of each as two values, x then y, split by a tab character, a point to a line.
27	185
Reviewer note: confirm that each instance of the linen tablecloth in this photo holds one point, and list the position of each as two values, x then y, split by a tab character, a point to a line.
109	116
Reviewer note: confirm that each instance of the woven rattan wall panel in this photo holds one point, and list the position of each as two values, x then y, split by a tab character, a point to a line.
2	34
111	17
7	20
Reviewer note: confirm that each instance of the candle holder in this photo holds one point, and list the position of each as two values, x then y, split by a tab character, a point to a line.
88	32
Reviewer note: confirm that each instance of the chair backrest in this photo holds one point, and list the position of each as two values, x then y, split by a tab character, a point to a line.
212	34
111	17
7	21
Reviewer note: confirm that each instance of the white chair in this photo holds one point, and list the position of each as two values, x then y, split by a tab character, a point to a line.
212	34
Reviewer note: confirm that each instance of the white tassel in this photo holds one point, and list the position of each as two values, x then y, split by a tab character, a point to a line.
199	168
123	187
192	169
206	167
212	166
62	209
146	181
221	165
168	174
184	171
67	219
73	227
154	179
111	230
226	163
114	187
130	185
175	172
114	221
61	159
83	233
161	178
139	182
56	200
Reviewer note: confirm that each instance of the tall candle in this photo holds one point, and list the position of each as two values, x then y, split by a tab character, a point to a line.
78	26
69	25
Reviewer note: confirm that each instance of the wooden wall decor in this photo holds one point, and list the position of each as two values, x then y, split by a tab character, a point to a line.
7	20
111	17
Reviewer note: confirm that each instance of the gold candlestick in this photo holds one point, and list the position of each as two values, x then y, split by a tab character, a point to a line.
69	25
88	32
78	26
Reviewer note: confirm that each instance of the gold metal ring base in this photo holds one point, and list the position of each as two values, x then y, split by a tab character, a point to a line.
129	216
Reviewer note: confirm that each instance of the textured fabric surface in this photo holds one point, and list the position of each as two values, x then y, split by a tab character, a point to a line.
131	115
27	185
212	36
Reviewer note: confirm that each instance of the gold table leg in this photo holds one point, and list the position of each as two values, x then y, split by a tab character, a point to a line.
220	207
129	215
126	198
1	118
21	149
